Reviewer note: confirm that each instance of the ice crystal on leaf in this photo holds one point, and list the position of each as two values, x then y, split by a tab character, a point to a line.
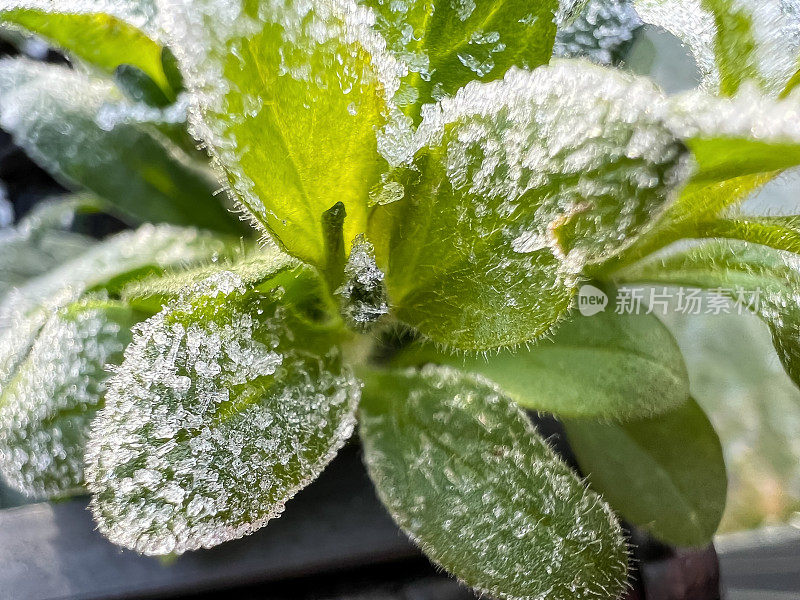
464	473
286	94
223	408
733	40
364	291
516	185
600	32
45	410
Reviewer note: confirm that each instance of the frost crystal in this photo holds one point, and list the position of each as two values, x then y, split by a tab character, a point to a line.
217	416
364	292
773	24
45	411
570	147
602	29
465	474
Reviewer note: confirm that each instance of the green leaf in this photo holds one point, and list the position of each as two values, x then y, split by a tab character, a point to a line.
104	267
734	268
254	268
515	187
79	130
607	365
224	407
665	473
138	86
41	241
465	475
47	404
732	41
446	44
781	233
289	96
102	40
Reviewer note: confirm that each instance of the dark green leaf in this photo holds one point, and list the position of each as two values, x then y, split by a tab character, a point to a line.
464	473
224	407
139	87
517	185
448	43
83	132
607	365
49	401
665	473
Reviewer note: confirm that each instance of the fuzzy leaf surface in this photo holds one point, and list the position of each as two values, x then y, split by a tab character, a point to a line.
224	407
465	475
665	473
608	365
53	395
515	187
769	278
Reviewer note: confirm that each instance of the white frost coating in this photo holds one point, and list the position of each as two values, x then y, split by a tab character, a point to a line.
46	409
206	34
139	13
600	30
536	141
775	27
215	419
749	114
364	291
690	23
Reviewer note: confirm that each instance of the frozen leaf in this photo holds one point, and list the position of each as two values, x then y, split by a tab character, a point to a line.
105	266
731	137
464	473
254	267
665	473
518	184
756	278
53	113
50	400
100	39
445	44
602	32
733	41
288	97
41	241
224	407
606	365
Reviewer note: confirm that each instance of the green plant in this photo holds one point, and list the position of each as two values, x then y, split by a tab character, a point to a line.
431	190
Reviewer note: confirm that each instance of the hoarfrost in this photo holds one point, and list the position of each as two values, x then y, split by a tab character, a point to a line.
45	411
217	416
774	25
599	32
364	291
467	477
320	54
570	145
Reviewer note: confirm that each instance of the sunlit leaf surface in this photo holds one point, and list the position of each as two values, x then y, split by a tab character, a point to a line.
516	185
